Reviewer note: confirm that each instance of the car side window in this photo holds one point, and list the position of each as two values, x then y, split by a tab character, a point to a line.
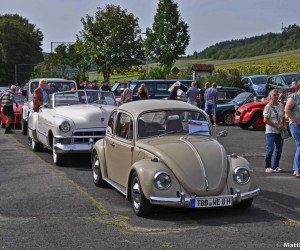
124	127
111	123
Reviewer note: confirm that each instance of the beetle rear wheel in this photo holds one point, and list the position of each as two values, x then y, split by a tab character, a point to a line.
141	206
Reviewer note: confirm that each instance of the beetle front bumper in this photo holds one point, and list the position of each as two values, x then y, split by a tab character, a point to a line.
183	201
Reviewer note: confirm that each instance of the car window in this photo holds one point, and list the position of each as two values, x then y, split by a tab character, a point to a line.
163	87
231	94
111	123
260	80
55	86
161	123
124	127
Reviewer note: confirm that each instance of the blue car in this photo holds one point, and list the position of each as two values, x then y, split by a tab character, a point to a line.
256	84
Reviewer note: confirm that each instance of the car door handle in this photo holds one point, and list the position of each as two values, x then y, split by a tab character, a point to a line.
112	144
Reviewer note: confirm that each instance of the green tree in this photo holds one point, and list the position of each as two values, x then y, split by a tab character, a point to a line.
169	36
112	40
20	43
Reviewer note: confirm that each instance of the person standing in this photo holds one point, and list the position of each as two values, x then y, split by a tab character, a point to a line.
7	102
292	109
143	92
127	95
94	85
40	96
105	85
193	94
211	100
173	94
275	122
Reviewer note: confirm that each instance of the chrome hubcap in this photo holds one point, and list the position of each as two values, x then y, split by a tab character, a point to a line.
136	193
96	170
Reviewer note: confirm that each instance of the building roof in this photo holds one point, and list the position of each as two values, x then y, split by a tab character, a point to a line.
203	67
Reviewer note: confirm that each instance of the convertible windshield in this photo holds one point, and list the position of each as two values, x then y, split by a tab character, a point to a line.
55	86
83	97
166	122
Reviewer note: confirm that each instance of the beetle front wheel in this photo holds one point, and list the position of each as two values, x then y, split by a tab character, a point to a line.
140	204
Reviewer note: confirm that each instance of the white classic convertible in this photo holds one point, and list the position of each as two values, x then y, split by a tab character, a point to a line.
72	122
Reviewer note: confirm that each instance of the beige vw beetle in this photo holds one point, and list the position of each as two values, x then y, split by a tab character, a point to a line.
163	152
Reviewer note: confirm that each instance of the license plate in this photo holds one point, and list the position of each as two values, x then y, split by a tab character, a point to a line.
211	202
237	118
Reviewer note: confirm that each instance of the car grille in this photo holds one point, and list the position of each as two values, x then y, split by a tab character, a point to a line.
84	136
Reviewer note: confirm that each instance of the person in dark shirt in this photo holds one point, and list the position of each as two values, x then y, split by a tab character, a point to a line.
105	86
173	95
94	85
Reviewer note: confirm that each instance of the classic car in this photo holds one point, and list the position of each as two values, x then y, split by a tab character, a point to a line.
16	121
251	114
72	122
225	112
255	84
158	152
54	85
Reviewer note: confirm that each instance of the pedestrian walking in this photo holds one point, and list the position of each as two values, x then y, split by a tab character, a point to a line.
211	100
292	109
7	101
275	122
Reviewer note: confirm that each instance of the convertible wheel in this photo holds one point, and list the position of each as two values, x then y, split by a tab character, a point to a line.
244	204
244	125
227	118
141	206
97	175
24	127
258	122
36	146
58	159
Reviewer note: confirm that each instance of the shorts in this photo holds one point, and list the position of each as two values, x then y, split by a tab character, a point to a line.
8	110
210	109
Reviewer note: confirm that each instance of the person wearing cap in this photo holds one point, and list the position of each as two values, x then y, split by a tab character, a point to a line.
40	96
7	101
105	86
173	94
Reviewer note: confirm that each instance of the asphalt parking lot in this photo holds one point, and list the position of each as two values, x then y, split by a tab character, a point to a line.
47	207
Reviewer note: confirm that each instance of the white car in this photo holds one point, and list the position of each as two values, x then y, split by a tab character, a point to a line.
53	85
72	122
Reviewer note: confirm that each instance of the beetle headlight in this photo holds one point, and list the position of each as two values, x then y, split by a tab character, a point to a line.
241	175
65	126
162	180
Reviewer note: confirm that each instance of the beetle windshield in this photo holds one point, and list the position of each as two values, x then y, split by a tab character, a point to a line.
84	97
160	123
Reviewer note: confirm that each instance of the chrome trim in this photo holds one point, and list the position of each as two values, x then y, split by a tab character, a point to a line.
73	148
183	201
235	174
155	179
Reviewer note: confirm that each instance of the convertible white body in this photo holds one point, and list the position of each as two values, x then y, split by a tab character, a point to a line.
72	123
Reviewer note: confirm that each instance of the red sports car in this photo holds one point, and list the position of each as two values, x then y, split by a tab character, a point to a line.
16	121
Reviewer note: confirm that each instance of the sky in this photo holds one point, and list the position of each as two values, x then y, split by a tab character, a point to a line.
210	21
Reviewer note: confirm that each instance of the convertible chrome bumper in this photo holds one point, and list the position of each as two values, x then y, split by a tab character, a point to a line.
183	201
73	148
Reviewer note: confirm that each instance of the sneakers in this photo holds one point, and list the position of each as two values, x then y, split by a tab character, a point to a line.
270	170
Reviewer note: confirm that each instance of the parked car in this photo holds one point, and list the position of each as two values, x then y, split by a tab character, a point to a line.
16	121
4	88
153	155
54	85
226	94
225	112
72	123
251	114
281	81
255	84
158	89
